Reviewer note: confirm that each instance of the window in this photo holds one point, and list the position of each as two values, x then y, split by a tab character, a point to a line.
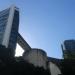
4	12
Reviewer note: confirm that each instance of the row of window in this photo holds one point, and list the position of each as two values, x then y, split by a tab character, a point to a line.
3	19
14	31
4	12
1	37
2	26
13	39
3	23
5	15
2	29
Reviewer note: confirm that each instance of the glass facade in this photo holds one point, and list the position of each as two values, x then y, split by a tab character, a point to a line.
12	25
69	45
3	22
14	31
69	49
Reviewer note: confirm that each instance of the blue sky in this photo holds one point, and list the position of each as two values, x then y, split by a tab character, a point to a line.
45	24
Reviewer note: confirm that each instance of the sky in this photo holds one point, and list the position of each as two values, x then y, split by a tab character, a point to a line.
45	24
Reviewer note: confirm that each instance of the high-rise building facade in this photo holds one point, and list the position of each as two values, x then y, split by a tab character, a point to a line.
9	23
69	49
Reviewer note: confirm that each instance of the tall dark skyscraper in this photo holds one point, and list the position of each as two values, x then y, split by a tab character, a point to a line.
68	48
9	23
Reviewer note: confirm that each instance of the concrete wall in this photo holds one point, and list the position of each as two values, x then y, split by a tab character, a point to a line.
23	43
54	69
37	57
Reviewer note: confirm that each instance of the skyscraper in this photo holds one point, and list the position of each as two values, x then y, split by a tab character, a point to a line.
9	23
68	48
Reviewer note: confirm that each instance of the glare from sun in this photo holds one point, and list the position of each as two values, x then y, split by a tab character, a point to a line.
19	51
